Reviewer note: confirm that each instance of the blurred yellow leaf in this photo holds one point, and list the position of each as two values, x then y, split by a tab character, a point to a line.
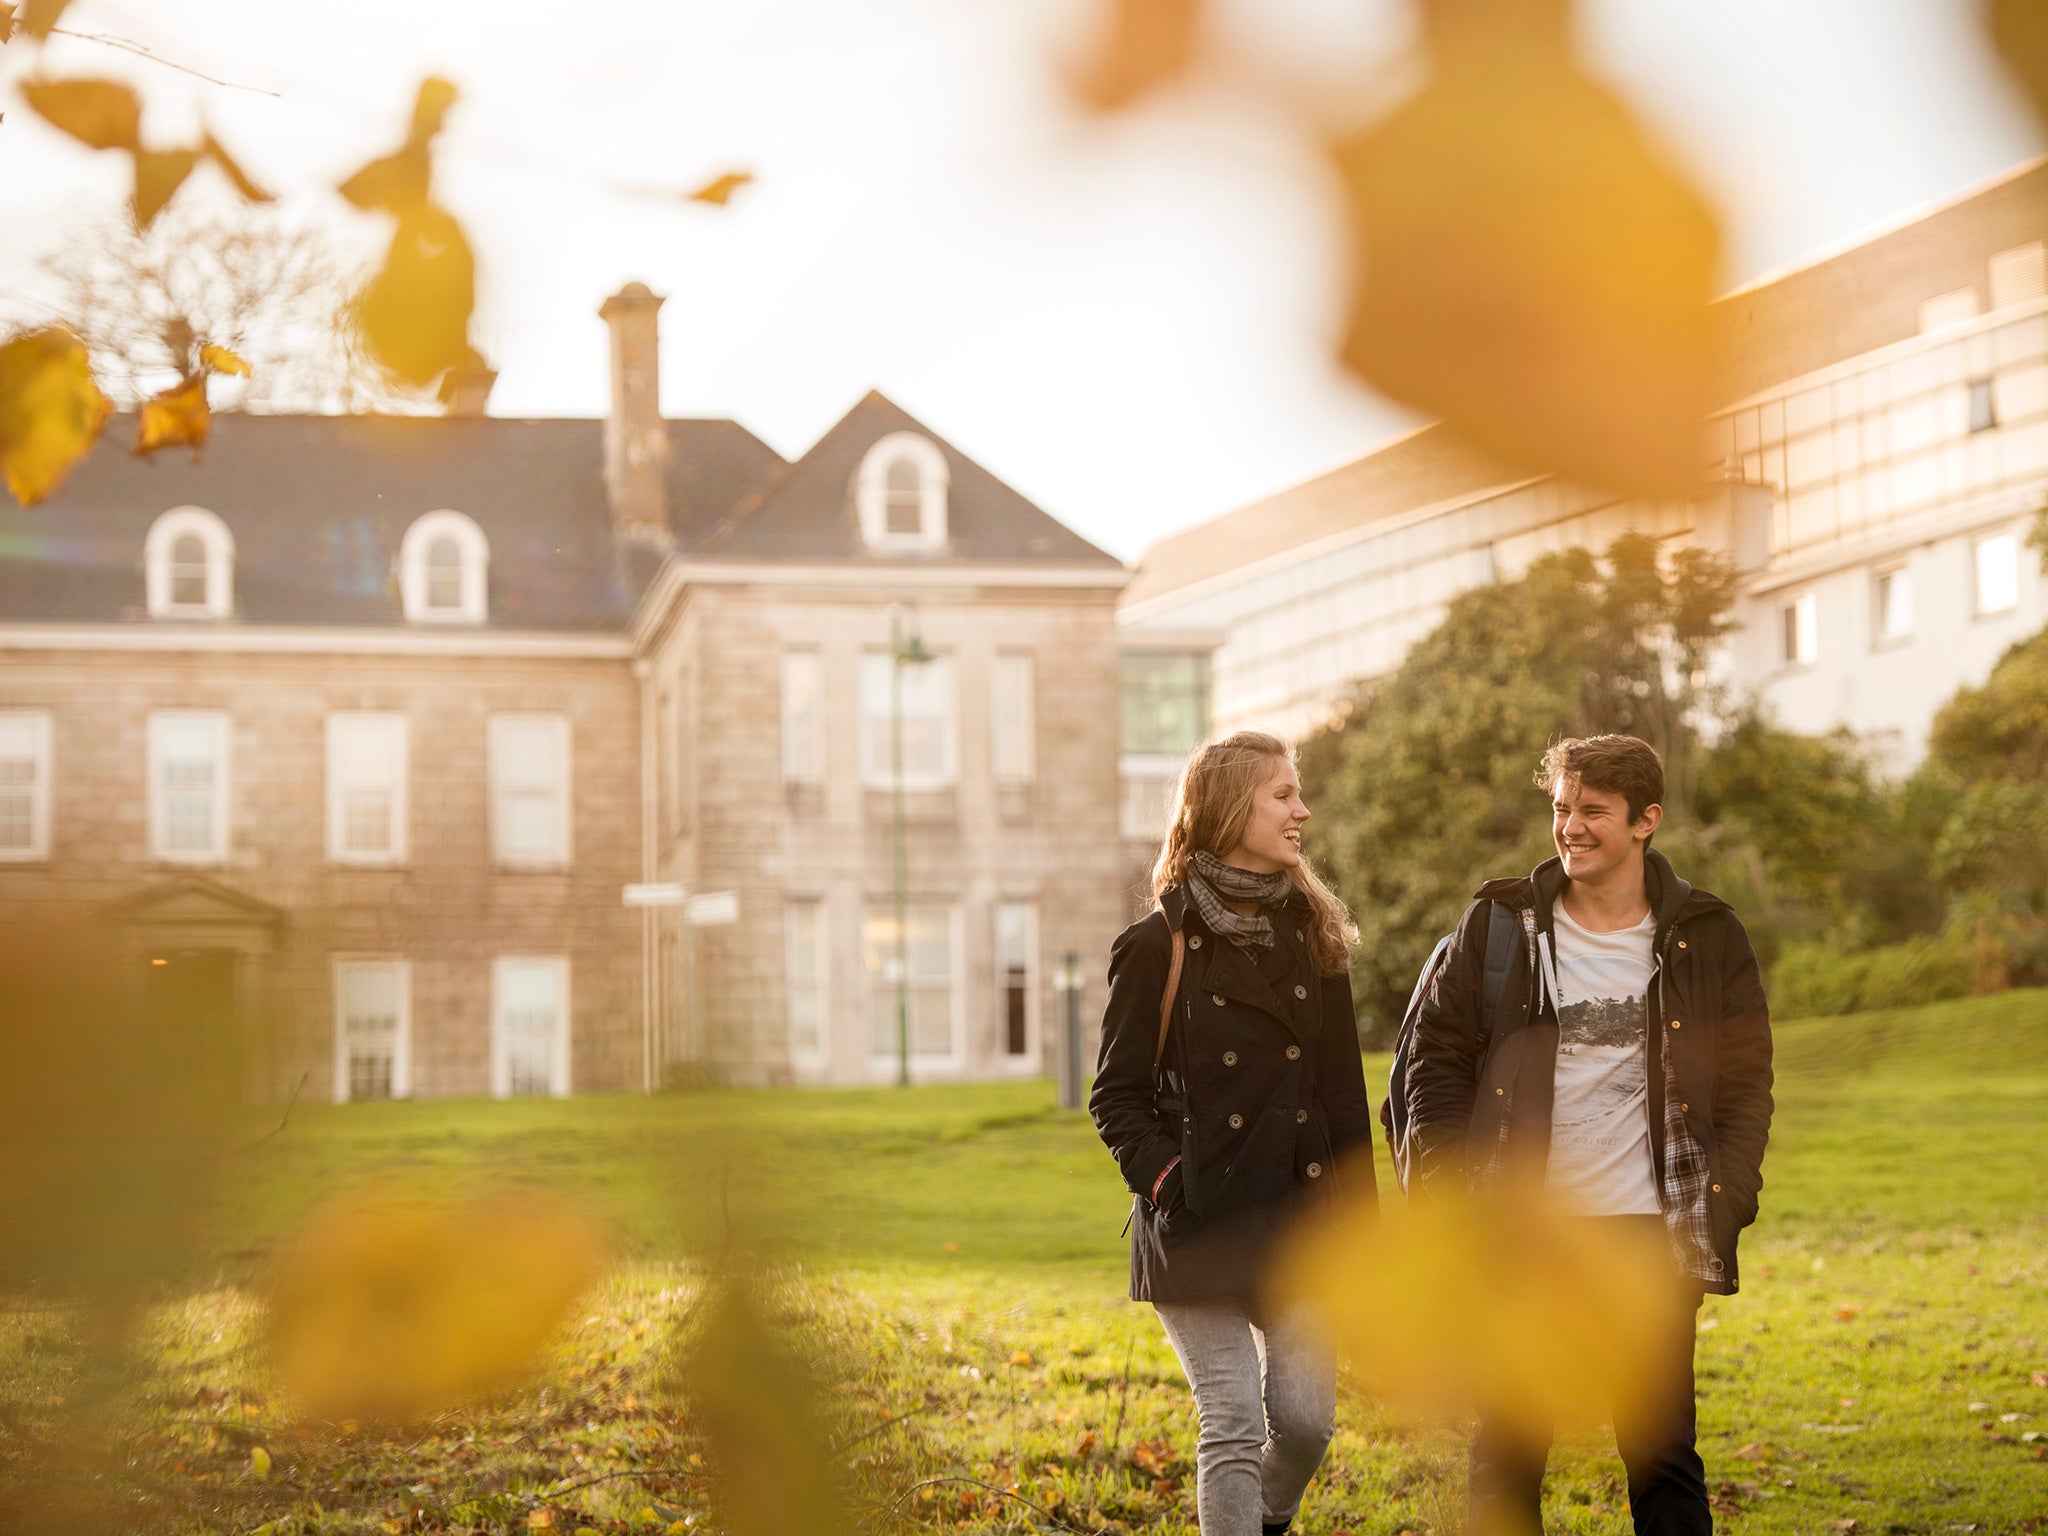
1499	1303
220	360
6	22
721	190
1020	1357
540	1520
39	16
392	1310
753	1402
213	150
102	113
176	418
1529	266
158	175
414	314
259	1463
401	181
1139	44
50	411
2019	30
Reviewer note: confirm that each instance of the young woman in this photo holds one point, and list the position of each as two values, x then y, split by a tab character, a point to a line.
1235	1121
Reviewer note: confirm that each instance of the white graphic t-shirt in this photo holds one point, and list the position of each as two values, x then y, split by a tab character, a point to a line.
1600	1114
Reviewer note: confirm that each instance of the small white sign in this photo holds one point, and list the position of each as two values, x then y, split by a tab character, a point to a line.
654	894
713	909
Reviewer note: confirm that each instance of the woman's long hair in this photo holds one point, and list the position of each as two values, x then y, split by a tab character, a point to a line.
1212	803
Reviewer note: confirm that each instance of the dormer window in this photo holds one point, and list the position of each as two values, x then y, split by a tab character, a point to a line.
900	493
443	566
189	566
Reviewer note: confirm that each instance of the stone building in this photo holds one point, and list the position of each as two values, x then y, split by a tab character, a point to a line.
1873	474
355	730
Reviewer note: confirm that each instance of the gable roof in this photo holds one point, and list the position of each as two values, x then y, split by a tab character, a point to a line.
318	506
1429	465
806	511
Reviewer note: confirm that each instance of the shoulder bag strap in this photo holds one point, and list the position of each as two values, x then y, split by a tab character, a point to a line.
1180	949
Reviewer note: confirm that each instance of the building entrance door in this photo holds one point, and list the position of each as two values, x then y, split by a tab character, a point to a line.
189	1007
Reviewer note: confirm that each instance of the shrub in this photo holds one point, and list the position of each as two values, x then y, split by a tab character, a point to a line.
1818	979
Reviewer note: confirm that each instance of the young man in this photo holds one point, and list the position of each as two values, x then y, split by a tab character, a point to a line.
1628	1063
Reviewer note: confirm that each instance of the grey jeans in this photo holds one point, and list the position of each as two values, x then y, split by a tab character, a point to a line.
1266	1390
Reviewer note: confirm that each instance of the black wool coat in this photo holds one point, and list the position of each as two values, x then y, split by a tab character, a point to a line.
1261	1095
1706	1007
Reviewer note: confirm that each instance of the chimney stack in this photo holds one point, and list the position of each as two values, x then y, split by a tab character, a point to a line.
635	440
466	388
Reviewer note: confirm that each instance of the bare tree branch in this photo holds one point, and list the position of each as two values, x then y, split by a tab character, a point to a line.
128	45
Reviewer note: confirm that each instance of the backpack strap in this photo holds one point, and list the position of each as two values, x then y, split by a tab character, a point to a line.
1503	926
1180	951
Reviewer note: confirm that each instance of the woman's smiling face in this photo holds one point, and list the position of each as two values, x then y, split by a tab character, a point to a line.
1272	834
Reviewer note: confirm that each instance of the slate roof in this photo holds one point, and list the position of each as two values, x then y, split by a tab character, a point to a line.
319	504
806	511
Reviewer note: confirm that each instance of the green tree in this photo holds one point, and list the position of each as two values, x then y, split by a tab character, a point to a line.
1423	785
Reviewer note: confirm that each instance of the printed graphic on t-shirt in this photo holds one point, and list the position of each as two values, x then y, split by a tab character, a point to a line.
1600	1122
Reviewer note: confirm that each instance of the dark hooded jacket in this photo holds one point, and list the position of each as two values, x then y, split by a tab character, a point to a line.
1707	1009
1262	1097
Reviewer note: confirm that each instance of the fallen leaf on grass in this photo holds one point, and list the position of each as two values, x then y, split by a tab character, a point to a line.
1152	1456
2039	1378
1850	1524
259	1463
1753	1452
1021	1357
1846	1312
1084	1445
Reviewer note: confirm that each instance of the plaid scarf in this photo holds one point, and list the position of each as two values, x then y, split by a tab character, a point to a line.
1215	884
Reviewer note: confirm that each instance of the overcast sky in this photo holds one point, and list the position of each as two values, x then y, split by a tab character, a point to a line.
1129	320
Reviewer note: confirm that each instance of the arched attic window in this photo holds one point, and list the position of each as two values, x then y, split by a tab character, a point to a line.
443	570
188	566
900	492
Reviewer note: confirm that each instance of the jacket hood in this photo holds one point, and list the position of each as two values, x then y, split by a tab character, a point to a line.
1672	898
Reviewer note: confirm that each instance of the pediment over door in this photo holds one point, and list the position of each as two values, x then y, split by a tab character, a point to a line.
194	912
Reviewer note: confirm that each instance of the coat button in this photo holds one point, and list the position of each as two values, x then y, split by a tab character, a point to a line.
1717	1189
1294	1053
1315	1170
1217	999
1681	943
1301	1117
1194	941
1498	1092
1300	990
1237	1124
1230	1058
1685	1109
1674	1024
1299	936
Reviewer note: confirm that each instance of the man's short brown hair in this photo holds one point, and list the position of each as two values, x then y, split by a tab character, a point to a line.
1622	765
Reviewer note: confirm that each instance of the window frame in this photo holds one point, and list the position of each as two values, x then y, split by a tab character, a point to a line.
37	849
474	550
500	724
342	965
1979	606
1005	668
1882	636
871	493
883	1057
1034	1021
820	946
501	1066
1978	392
217	852
876	774
801	768
161	542
1799	622
396	852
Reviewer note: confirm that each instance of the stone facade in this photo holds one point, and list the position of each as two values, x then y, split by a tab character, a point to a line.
452	686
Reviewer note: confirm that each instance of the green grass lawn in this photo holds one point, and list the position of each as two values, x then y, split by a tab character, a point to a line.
951	1261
